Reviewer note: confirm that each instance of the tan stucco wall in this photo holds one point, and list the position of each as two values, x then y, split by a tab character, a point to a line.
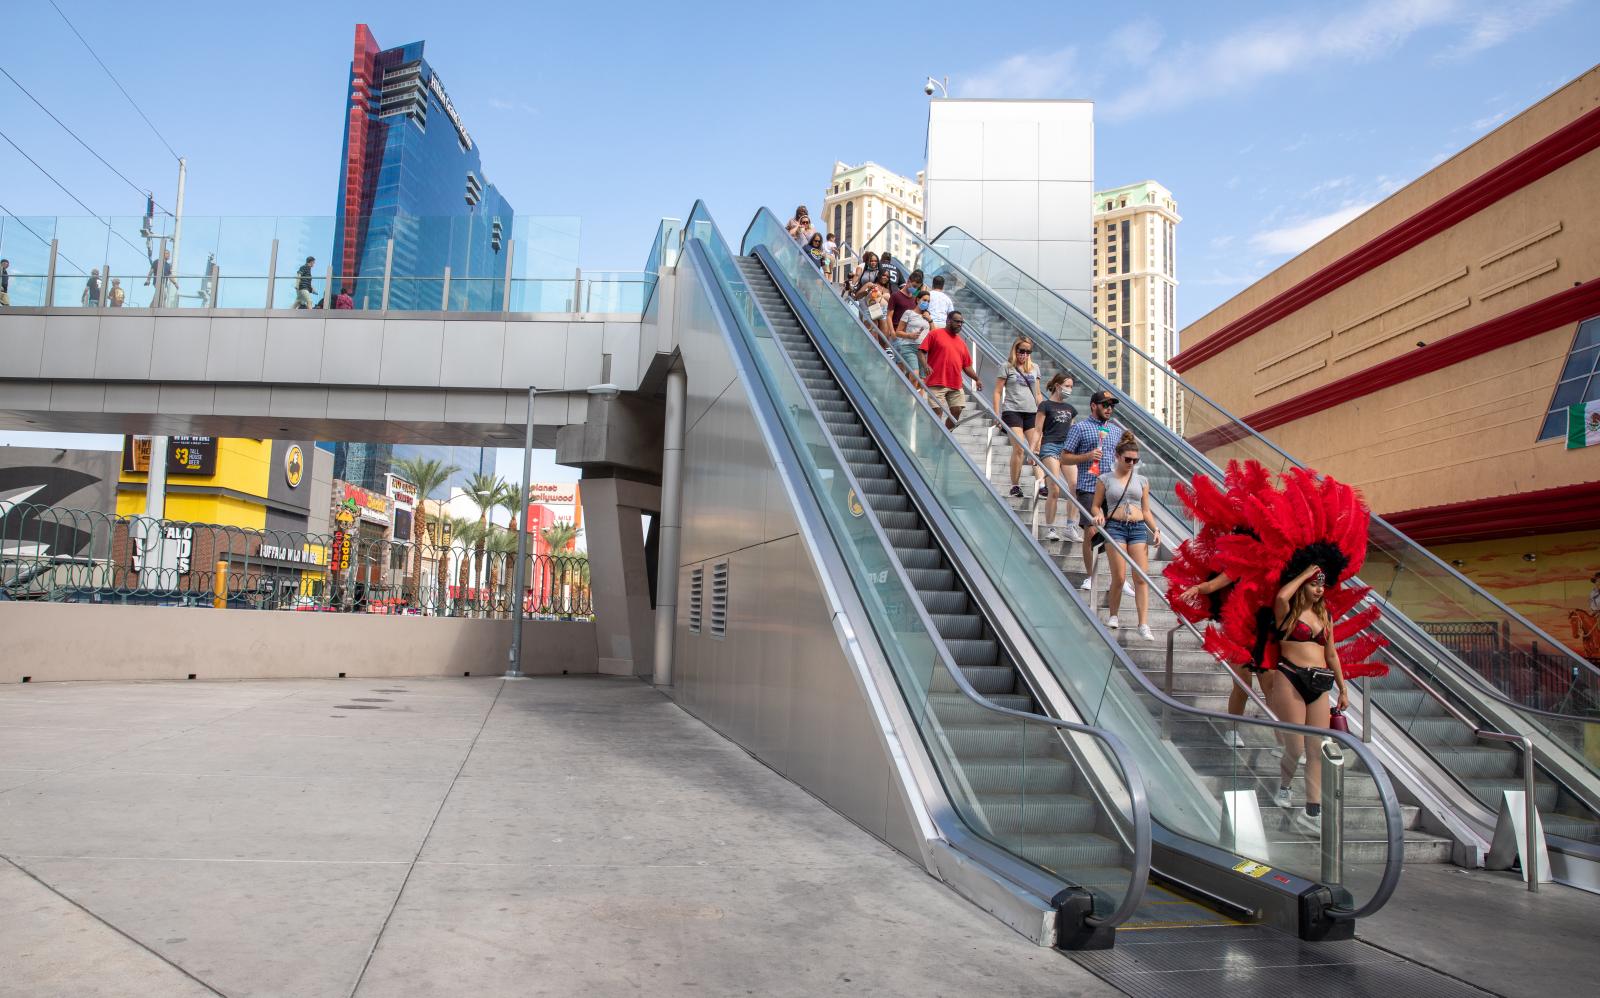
1464	432
71	641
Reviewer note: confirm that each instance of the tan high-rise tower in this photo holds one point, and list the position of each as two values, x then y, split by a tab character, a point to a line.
1135	291
861	198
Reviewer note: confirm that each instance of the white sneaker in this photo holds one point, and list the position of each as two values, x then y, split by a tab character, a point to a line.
1086	584
1306	824
1232	739
1127	588
1283	799
1051	535
1112	622
1074	534
1144	632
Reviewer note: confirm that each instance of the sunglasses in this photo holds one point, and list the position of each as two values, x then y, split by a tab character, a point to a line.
1130	460
1024	353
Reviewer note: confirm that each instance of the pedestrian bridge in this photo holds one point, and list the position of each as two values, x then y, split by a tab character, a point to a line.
401	377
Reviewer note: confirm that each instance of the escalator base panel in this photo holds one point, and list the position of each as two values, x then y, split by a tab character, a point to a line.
1240	960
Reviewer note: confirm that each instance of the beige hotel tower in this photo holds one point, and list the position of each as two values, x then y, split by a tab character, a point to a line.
1135	291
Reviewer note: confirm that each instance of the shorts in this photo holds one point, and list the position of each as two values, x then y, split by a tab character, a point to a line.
1086	500
1052	449
1127	532
906	350
1019	420
950	398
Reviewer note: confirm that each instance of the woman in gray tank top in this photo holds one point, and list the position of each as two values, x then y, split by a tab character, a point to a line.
1016	399
1122	508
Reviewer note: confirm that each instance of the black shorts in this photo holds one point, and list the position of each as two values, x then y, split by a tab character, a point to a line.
1020	420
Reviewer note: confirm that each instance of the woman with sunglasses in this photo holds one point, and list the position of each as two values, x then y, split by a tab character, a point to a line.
1308	668
1122	507
1016	399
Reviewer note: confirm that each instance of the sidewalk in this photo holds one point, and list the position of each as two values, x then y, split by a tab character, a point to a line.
569	836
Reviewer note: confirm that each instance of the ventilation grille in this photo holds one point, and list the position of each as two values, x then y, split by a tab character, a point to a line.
719	600
697	595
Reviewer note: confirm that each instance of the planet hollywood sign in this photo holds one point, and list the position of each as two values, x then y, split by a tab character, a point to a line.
449	108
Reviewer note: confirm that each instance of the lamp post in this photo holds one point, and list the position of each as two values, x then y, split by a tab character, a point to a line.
605	392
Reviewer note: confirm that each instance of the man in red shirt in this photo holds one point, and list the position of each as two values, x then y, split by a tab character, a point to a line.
948	360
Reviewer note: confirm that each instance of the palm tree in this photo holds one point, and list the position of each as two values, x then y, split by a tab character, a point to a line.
557	537
485	492
427	475
518	509
502	546
463	534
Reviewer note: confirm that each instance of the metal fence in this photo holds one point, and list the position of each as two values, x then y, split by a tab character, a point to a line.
1541	678
62	555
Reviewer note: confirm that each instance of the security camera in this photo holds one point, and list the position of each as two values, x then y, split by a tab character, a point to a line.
927	88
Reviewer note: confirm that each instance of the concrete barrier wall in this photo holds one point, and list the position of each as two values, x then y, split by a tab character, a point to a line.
53	642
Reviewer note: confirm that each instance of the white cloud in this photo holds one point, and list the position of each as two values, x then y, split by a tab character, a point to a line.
1487	121
1045	74
1294	238
1137	43
1259	50
1488	27
508	105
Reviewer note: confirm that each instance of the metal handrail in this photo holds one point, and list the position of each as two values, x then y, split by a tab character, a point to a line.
1393	858
1411	545
1138	797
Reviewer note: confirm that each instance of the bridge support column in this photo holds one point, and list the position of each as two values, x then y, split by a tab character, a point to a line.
619	577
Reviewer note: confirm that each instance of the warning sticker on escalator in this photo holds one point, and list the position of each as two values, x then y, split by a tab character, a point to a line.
1251	868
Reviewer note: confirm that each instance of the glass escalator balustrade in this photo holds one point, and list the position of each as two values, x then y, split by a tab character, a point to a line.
1059	799
1548	692
1191	774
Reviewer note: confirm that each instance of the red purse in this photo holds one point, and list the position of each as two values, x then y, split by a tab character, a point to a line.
1337	722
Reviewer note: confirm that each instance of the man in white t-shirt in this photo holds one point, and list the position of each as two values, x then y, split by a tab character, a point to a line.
939	304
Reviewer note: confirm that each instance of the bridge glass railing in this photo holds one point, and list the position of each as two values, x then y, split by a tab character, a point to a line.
451	264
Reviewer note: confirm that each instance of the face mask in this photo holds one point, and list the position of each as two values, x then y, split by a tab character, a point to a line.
922	306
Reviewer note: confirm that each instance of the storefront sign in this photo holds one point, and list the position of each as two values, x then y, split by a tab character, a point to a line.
369	505
185	455
554	493
298	556
166	552
339	551
402	492
437	87
294	466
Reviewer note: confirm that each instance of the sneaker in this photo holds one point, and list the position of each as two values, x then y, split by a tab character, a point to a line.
1305	823
1112	622
1085	584
1044	492
1144	633
1127	588
1232	739
1016	492
1283	799
1051	535
1074	534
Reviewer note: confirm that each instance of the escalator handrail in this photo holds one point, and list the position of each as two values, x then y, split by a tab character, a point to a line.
1411	545
1139	807
1386	793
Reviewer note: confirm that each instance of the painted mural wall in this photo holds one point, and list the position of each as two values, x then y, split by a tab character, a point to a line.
1551	580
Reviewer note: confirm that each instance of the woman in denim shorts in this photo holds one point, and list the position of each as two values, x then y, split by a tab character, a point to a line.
1122	507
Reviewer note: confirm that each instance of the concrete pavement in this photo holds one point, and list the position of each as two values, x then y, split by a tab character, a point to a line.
562	836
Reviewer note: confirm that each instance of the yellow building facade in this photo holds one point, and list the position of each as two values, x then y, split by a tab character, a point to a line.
1135	292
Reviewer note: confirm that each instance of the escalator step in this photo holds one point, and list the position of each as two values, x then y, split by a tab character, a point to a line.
1035	814
920	557
943	601
984	679
871	469
975	653
1047	775
958	625
909	539
934	579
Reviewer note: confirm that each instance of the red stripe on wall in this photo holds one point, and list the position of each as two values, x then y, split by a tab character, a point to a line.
1577	137
1571	305
1548	511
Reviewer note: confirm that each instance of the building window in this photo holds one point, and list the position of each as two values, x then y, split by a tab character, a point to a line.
847	185
838	213
850	222
1579	383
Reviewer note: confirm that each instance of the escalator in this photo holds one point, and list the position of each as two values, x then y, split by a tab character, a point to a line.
1449	726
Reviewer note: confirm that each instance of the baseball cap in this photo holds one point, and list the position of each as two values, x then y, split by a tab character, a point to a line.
1102	398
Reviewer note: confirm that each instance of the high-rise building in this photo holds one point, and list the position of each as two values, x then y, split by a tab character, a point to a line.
1135	291
366	465
410	172
861	198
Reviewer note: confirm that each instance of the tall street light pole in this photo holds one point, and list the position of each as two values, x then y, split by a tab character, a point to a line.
520	585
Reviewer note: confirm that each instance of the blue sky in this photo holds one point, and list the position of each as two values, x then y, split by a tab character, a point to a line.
1270	122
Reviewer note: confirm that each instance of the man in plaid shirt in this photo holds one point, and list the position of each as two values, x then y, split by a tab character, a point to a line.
1090	445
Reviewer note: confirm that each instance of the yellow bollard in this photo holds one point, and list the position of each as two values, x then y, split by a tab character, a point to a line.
220	598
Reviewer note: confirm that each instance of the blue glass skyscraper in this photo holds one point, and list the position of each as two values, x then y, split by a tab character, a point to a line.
411	172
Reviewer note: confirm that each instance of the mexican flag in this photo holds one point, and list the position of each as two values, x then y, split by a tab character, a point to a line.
1583	425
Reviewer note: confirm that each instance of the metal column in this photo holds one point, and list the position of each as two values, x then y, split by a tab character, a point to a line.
519	587
272	273
671	523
